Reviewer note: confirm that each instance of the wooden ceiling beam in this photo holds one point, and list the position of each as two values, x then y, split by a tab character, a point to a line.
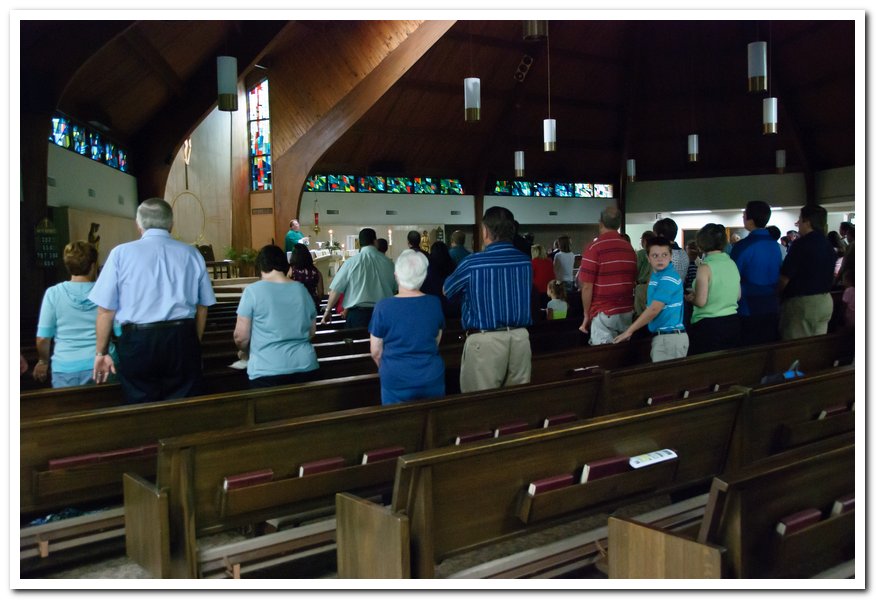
529	47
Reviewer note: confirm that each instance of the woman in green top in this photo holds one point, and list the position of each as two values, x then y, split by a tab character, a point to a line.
716	291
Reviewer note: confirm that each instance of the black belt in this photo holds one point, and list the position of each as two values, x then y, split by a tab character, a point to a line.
155	325
668	332
469	332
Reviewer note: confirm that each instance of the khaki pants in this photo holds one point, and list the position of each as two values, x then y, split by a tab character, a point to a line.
802	316
669	346
495	359
604	328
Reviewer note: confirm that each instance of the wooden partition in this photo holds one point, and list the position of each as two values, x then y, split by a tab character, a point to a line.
738	535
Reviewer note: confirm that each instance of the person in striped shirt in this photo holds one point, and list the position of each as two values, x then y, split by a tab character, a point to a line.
607	279
664	314
495	289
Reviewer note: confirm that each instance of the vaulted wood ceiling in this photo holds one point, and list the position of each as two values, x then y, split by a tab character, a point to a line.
618	89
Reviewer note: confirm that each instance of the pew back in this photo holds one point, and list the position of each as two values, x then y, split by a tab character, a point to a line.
458	498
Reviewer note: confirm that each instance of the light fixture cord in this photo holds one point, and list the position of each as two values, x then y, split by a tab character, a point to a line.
549	74
769	55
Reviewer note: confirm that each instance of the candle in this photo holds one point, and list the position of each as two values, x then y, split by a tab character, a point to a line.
389	236
331	237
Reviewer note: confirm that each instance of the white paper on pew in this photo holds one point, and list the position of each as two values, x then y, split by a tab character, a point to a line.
239	364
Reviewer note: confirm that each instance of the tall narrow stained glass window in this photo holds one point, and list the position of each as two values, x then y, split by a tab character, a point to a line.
259	137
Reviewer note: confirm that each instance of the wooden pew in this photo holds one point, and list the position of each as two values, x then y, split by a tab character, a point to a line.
191	468
459	498
555	336
737	537
785	415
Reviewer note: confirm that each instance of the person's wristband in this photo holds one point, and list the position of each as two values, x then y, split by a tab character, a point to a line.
42	362
100	353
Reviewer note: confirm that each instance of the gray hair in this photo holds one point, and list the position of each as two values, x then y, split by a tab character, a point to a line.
155	213
410	269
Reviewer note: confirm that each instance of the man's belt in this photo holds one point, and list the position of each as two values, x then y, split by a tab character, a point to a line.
469	332
155	325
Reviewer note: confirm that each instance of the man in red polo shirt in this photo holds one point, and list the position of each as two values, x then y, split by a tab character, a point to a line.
607	279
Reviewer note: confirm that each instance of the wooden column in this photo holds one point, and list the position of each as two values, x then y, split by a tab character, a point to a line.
293	166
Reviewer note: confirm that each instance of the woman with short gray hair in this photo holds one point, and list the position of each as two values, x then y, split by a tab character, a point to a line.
405	332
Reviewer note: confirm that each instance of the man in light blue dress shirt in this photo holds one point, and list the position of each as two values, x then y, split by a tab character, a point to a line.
158	289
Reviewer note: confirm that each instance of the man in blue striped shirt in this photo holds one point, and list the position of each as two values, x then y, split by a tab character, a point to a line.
495	286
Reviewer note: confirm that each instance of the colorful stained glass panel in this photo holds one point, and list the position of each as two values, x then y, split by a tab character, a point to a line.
425	185
258	102
316	183
584	190
521	188
398	185
341	183
603	190
372	183
564	190
543	189
60	132
451	187
502	188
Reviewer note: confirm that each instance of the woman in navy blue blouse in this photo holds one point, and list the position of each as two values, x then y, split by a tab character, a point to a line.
405	332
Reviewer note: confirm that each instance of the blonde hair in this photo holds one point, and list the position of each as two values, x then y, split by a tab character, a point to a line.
537	251
79	257
556	289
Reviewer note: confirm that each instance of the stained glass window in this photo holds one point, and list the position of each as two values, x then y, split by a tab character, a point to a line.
78	138
259	137
451	187
603	190
521	188
502	188
372	183
543	189
584	190
316	183
60	132
425	185
341	183
564	190
398	185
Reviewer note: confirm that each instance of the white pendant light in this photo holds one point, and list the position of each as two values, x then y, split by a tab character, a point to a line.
693	147
534	30
550	135
781	160
519	164
550	125
226	82
631	169
757	66
770	115
472	87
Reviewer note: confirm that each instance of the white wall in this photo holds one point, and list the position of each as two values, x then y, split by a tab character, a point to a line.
550	211
79	182
370	210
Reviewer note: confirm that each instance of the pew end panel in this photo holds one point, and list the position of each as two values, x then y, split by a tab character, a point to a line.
373	541
147	525
640	551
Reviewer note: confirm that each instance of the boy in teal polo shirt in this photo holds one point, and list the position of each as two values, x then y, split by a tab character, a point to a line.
665	309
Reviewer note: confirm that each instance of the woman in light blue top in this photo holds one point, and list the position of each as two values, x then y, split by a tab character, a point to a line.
275	323
69	317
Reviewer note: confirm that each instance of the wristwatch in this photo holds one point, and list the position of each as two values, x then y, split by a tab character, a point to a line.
100	353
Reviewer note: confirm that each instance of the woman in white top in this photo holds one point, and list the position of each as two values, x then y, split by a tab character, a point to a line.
564	262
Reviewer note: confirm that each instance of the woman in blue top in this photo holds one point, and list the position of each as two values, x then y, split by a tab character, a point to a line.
276	320
405	333
69	317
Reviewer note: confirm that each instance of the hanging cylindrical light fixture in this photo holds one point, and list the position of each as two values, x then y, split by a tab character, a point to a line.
770	115
534	30
780	161
550	125
226	82
550	135
631	169
472	87
693	147
757	66
519	164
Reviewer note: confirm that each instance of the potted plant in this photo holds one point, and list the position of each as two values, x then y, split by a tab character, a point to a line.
244	259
